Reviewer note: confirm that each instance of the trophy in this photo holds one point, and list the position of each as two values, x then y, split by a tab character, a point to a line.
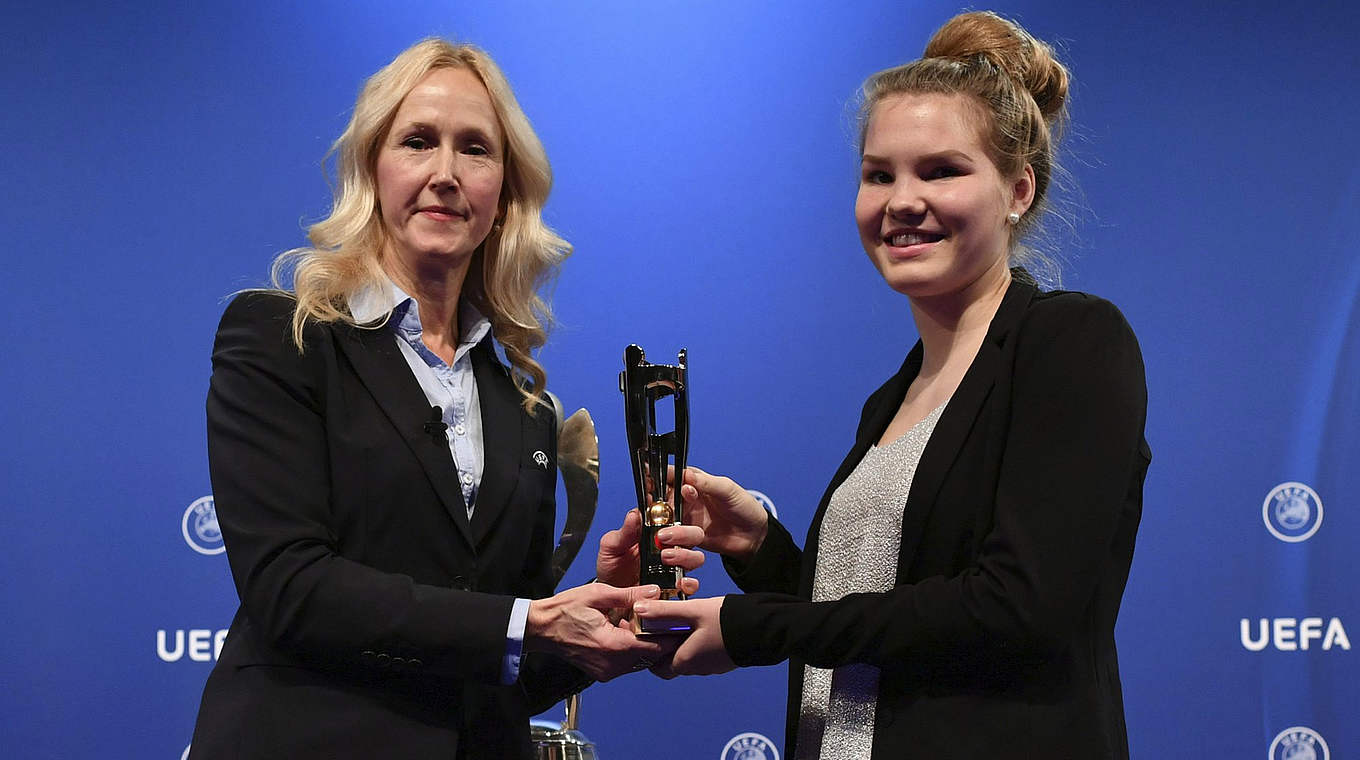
658	465
578	457
564	742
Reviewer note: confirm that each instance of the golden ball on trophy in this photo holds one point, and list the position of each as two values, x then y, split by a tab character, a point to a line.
660	513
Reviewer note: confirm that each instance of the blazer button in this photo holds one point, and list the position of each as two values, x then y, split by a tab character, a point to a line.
415	662
384	660
460	582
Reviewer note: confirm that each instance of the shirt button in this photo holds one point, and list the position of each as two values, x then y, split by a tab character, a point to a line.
460	430
467	478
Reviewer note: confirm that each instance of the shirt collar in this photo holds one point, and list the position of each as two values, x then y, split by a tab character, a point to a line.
384	302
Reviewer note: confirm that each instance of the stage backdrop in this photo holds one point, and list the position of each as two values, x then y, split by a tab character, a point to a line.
158	155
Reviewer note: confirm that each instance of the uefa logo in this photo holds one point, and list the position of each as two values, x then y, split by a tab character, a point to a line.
749	746
201	531
1299	743
764	501
1292	512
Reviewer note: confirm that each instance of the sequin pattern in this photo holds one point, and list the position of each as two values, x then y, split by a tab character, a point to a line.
857	552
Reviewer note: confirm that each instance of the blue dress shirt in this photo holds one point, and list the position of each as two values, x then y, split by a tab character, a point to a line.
452	388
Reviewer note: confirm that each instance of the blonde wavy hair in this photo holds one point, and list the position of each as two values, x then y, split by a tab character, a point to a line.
519	257
1022	91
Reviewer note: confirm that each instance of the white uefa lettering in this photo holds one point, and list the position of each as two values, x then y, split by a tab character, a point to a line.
165	654
1336	636
1257	644
1290	634
1309	629
1284	634
199	638
200	644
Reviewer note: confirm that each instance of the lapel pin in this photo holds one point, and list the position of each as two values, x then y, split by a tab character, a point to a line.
541	459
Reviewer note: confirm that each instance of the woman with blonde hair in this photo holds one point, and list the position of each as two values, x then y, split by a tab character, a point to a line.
957	593
384	482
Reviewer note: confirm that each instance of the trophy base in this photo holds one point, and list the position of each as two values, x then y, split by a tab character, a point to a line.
554	742
662	627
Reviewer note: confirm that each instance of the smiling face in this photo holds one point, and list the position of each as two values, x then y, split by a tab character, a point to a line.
932	205
439	173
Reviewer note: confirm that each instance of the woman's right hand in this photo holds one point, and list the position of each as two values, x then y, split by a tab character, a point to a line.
617	562
734	523
576	625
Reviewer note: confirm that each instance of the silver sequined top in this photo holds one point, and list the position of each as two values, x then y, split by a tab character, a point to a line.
857	552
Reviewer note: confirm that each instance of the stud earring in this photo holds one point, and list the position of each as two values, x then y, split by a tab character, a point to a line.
1012	218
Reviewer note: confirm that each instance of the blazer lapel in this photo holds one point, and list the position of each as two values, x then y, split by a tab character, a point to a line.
874	422
378	361
502	437
958	420
883	414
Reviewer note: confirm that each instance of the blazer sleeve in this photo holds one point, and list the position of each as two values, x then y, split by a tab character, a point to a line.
776	566
1072	451
271	477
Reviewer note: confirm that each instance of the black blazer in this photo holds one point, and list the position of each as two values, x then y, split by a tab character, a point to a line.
373	613
998	639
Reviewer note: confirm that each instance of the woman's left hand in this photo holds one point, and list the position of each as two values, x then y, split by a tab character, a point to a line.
618	561
702	653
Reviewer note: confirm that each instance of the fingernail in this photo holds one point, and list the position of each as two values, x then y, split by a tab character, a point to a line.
641	608
664	535
652	591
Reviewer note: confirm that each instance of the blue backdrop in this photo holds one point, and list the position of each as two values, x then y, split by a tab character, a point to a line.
158	155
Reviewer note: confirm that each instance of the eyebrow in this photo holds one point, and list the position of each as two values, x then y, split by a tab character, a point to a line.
424	126
413	126
943	155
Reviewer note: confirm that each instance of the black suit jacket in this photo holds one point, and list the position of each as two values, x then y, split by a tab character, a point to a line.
373	612
998	638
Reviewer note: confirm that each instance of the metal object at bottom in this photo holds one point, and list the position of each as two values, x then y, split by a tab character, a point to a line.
562	742
552	743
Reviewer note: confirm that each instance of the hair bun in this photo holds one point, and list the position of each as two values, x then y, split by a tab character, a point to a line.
1003	43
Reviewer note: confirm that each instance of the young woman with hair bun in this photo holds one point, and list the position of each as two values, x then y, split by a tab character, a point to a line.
957	593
